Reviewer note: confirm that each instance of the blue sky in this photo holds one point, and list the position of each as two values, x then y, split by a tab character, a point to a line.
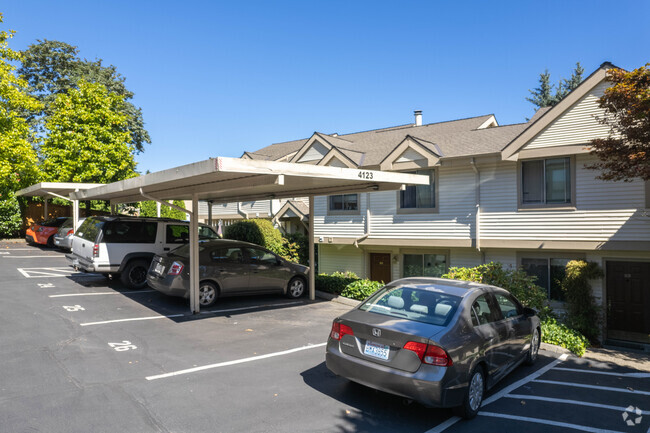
218	78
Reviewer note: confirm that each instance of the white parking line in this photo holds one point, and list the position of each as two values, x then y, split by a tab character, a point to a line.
237	361
250	308
575	402
547	422
601	388
607	373
67	295
133	319
49	272
454	419
33	257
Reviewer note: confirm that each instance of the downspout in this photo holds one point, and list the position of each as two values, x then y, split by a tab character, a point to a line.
241	212
477	192
366	225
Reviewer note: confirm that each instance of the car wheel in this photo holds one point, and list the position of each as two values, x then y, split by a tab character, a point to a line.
50	242
533	350
296	288
474	395
134	275
207	294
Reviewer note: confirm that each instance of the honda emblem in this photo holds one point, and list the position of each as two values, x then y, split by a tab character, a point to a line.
376	332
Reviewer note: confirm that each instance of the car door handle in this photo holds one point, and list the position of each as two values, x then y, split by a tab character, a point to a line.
166	249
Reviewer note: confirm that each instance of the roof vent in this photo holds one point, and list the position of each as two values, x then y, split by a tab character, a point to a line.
418	117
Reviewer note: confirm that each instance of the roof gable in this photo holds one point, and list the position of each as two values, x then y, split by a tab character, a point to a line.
568	123
411	153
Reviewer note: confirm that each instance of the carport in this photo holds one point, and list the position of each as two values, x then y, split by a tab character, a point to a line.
226	180
61	190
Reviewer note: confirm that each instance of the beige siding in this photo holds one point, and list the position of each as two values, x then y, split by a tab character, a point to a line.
578	125
454	220
332	258
315	152
344	226
506	257
605	211
464	258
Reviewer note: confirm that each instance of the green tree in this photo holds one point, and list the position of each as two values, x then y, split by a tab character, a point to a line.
53	68
543	95
18	161
88	138
625	154
149	209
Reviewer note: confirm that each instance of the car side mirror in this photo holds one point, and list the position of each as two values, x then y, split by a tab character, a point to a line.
529	312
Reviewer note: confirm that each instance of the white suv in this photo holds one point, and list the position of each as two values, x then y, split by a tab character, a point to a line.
126	245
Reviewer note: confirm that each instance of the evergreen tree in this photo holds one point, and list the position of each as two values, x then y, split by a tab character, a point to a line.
543	95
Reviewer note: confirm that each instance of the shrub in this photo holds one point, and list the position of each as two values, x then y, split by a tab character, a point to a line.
257	231
517	282
361	289
561	335
583	314
296	248
149	209
336	282
10	218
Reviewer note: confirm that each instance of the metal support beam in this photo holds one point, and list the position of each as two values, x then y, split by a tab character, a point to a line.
158	209
312	256
45	213
75	215
210	213
173	206
194	255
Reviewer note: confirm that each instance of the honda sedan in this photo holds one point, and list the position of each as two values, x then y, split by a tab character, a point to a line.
227	268
440	342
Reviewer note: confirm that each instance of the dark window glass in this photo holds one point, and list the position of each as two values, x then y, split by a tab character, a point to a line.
550	273
89	229
261	257
546	181
130	232
207	233
227	255
344	202
424	265
482	313
177	234
509	308
419	196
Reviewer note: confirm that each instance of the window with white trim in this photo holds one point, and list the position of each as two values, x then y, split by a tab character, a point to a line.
343	202
424	265
546	181
550	273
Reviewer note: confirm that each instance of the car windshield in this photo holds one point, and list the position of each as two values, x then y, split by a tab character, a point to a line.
55	222
412	303
184	250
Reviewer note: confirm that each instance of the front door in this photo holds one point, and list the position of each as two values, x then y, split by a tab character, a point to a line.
628	301
380	267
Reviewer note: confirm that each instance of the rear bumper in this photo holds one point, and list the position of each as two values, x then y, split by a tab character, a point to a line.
427	385
169	285
62	242
29	239
85	265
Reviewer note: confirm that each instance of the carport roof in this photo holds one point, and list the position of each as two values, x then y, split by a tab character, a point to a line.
226	180
53	189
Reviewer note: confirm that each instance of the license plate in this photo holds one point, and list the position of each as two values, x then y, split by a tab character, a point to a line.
375	350
159	268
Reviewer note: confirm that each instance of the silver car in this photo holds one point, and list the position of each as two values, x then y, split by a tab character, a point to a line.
227	268
440	342
63	238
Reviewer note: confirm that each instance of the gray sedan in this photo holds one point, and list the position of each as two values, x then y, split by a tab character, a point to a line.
227	268
440	342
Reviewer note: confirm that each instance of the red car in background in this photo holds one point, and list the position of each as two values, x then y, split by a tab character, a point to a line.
43	233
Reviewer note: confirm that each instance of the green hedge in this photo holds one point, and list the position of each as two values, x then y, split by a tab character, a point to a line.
561	335
361	289
516	281
257	231
10	217
336	282
583	313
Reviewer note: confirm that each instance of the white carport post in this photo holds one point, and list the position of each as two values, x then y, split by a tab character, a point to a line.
194	255
45	208
312	255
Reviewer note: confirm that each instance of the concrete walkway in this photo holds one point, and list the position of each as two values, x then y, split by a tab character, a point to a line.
620	357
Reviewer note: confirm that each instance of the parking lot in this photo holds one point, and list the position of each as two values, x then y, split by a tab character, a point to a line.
80	353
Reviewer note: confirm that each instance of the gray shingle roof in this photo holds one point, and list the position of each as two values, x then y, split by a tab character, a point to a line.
453	138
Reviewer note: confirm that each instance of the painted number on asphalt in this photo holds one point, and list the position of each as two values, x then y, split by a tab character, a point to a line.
74	308
124	345
46	285
4	252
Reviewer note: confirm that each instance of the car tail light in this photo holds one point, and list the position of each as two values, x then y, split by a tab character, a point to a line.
70	232
175	269
339	330
429	353
96	250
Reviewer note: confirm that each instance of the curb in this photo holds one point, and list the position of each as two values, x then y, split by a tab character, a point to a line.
338	299
555	349
13	241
